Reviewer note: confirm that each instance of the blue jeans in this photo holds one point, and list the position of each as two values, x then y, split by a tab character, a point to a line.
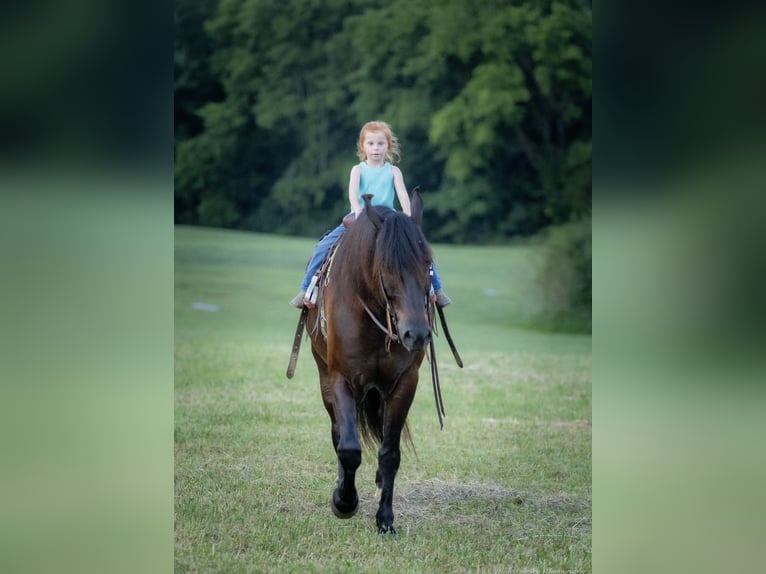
323	248
320	253
436	280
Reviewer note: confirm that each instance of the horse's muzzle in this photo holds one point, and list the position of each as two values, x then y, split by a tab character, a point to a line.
415	338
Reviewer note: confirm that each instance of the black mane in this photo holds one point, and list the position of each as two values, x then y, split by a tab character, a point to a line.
400	247
395	249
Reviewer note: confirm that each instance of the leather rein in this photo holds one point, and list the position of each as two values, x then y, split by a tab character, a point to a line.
391	329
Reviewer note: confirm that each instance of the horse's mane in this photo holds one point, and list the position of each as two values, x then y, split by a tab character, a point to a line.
399	246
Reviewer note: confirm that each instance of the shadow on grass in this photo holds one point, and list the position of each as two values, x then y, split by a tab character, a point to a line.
485	506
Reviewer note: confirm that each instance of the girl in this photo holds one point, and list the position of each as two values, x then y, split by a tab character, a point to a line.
378	148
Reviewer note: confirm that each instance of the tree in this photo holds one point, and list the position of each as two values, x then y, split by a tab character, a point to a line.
490	99
516	138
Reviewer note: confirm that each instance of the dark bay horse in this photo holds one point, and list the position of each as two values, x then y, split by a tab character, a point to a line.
376	319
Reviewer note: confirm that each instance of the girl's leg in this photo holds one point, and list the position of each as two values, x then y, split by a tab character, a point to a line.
320	252
442	299
436	280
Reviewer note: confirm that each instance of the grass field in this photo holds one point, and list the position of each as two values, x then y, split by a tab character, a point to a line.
505	487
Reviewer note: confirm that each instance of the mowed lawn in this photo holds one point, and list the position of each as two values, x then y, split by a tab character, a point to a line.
504	487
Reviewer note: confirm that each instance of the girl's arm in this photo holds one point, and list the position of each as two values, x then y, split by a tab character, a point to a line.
353	189
401	190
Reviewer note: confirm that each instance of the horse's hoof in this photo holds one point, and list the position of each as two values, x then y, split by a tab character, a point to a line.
341	513
382	529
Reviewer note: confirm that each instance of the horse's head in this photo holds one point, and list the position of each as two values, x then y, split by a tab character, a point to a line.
401	271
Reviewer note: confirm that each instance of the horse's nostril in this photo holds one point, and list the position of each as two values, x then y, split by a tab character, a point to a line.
416	340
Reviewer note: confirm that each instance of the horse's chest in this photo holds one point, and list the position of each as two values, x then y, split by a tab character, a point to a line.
383	372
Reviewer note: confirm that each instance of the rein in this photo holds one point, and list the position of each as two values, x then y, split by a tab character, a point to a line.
390	335
391	330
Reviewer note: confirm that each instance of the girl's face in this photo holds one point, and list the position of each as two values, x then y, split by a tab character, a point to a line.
375	146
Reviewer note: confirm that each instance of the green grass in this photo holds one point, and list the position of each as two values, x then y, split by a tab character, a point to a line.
506	486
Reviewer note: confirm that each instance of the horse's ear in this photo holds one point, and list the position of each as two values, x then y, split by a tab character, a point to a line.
372	215
416	206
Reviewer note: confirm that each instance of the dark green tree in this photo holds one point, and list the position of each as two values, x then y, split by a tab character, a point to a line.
491	100
516	138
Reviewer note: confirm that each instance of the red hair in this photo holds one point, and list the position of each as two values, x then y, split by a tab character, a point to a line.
392	155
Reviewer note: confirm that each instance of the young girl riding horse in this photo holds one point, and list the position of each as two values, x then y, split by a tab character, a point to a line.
378	149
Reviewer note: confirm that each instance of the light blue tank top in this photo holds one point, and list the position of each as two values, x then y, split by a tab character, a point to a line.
379	182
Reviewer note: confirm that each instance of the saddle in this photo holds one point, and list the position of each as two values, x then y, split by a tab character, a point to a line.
319	281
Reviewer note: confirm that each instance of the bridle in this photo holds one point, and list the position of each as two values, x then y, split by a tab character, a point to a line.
391	329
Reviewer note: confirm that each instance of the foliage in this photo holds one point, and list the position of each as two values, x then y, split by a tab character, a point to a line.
194	83
491	101
565	276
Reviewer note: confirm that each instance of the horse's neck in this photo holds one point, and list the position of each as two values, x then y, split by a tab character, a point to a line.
361	281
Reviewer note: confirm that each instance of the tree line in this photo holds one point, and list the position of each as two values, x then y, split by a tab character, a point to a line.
491	101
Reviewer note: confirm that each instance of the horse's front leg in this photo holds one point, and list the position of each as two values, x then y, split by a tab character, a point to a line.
389	454
388	465
345	501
